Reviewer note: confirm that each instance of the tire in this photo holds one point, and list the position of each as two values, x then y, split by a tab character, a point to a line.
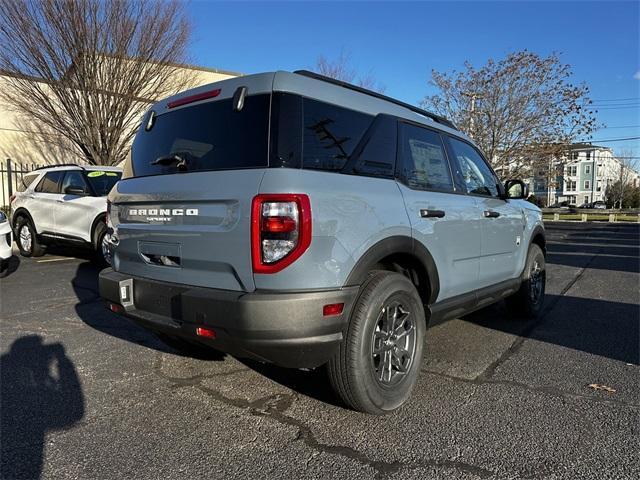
27	239
189	349
528	301
102	253
375	382
4	268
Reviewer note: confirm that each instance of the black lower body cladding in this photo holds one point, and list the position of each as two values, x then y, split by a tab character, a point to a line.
287	329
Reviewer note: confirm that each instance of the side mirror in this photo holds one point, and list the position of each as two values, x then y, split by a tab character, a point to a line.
74	190
516	189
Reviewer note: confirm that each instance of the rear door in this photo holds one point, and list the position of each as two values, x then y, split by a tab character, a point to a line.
46	198
189	221
502	221
73	215
445	221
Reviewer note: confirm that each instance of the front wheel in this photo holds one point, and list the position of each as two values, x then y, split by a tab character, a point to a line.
27	239
101	244
378	362
527	302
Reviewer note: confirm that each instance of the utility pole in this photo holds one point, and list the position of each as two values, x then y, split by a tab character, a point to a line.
473	96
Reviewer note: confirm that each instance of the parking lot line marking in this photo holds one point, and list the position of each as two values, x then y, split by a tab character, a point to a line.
56	259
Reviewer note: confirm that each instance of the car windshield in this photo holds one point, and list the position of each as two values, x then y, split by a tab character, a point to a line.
102	181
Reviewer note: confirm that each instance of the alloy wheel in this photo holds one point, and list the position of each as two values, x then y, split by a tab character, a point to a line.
394	343
25	238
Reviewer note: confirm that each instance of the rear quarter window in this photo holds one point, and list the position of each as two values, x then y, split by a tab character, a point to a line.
330	134
26	180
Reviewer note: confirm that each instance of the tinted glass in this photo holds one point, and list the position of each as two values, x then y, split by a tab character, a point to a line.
102	181
476	175
26	181
286	131
376	154
49	184
330	134
210	136
73	179
424	163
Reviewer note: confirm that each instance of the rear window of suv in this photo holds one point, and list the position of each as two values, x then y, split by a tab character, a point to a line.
209	136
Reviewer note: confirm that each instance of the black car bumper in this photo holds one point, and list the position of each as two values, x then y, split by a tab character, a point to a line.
288	329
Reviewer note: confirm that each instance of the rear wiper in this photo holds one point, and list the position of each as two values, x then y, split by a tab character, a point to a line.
179	161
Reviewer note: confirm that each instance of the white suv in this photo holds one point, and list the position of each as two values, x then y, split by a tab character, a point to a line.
63	204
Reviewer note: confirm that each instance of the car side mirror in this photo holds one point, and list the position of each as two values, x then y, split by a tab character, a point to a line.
516	189
74	190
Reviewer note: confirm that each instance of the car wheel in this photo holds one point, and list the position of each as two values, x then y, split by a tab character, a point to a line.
527	302
27	239
4	267
189	349
378	361
101	244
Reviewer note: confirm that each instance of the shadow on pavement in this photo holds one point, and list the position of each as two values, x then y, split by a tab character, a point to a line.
93	311
11	266
598	327
39	392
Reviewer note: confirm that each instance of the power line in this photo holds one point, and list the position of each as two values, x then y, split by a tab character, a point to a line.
615	99
611	140
619	126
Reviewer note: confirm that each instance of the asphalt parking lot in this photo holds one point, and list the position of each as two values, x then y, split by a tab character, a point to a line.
86	394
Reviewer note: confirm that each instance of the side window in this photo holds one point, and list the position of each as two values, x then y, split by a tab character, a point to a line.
50	182
476	175
73	178
330	134
376	154
423	163
27	180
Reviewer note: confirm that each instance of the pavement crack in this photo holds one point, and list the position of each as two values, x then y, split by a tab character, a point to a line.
549	390
275	406
527	331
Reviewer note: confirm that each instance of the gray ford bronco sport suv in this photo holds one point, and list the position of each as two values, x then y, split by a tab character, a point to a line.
298	220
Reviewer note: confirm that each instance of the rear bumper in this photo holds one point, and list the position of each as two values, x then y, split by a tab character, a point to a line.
287	329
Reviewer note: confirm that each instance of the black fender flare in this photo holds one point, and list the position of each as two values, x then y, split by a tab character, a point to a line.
21	212
399	244
539	230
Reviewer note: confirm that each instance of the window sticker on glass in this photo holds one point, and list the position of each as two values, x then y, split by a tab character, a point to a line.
95	173
112	174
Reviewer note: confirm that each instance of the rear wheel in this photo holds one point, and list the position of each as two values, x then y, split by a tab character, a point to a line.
27	239
378	362
101	244
528	301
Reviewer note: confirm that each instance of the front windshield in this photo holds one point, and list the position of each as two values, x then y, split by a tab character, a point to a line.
102	181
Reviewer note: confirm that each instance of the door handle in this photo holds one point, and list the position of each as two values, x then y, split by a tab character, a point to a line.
491	214
424	213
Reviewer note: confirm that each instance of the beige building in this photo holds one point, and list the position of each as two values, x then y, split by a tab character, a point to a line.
20	142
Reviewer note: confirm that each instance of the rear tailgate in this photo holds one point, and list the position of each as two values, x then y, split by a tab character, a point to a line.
189	228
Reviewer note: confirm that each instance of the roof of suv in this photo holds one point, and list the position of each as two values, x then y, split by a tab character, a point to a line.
313	86
73	166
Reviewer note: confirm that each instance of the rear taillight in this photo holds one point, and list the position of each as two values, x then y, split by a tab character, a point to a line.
280	230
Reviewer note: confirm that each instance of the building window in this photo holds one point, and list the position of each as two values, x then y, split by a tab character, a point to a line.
588	155
587	169
587	185
571	185
599	186
586	199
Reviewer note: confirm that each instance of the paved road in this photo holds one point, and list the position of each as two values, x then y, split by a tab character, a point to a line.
85	394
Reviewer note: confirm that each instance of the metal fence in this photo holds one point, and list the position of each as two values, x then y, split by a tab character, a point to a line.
11	173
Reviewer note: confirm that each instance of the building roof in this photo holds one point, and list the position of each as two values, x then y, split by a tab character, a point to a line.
587	146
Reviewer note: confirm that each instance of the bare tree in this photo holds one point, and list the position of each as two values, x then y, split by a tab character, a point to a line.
622	188
520	110
85	70
341	69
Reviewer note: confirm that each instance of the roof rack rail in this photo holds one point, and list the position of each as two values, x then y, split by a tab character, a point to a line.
59	165
436	118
